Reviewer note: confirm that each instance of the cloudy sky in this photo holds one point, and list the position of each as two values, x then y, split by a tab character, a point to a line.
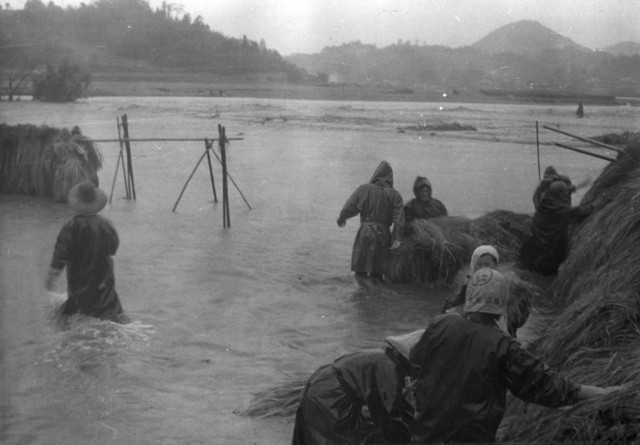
307	26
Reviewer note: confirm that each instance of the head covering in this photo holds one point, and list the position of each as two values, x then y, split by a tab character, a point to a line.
404	343
487	292
420	182
483	250
383	175
86	199
550	172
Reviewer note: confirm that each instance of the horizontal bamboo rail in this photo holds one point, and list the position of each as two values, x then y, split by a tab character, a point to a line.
162	140
595	155
591	141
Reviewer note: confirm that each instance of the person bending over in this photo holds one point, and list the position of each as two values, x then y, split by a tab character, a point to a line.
466	365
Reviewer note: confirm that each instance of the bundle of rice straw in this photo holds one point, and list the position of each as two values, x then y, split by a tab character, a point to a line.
595	337
281	401
439	247
45	161
503	229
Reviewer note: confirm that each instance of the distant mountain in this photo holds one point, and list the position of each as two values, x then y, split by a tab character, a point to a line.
526	38
521	56
624	49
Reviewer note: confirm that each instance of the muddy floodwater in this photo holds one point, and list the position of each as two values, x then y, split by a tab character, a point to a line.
220	314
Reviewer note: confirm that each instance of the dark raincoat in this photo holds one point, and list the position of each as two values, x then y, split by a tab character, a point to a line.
550	176
330	410
466	368
379	206
547	247
416	208
84	246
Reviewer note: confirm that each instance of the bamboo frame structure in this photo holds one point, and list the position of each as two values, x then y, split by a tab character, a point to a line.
595	155
580	138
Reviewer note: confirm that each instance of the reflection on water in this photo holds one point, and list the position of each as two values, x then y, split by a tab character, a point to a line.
222	314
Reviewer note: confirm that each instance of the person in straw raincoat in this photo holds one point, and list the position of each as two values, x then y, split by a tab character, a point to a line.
85	246
380	206
466	365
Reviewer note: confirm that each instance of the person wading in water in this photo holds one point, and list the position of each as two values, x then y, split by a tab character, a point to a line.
85	246
380	206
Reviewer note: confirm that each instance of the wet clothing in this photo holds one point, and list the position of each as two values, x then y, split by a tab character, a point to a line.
419	209
550	176
379	206
466	368
84	246
518	305
547	247
330	410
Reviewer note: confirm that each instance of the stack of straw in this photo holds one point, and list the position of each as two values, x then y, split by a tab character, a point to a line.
45	161
439	247
595	337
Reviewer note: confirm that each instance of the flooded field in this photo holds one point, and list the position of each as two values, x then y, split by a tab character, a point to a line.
221	314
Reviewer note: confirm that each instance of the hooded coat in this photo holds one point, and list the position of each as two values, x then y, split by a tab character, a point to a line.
419	209
550	176
84	246
379	206
330	410
547	247
466	368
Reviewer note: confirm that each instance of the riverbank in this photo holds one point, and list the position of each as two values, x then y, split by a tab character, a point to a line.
145	82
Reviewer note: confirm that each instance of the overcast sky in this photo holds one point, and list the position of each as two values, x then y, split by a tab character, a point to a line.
307	26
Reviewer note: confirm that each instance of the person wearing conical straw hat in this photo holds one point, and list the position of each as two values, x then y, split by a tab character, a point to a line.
466	365
85	246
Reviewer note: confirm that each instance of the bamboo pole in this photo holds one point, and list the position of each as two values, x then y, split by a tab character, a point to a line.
606	158
127	144
538	145
115	176
207	147
232	181
127	190
226	218
162	140
591	141
188	180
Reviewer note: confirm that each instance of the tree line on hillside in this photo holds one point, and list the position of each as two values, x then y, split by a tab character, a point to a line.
41	37
411	67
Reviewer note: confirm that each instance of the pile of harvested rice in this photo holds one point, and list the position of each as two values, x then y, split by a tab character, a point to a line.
45	161
281	401
439	247
595	337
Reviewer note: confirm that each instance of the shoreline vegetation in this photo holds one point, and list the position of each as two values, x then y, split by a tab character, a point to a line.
197	86
172	83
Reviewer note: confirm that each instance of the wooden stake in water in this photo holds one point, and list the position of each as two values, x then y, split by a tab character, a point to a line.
125	128
118	162
189	179
208	146
226	218
538	145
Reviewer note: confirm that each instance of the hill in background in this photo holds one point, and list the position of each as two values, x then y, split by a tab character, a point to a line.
520	57
128	48
624	49
525	37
